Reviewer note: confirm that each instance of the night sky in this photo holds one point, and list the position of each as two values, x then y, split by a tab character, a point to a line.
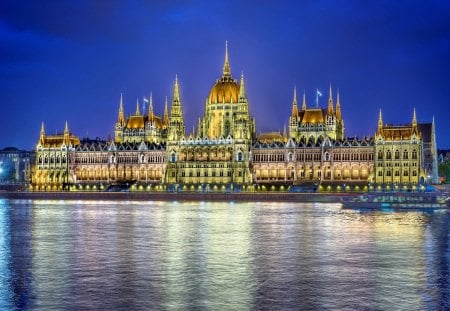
70	60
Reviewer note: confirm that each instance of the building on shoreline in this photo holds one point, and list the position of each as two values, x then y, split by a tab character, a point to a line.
15	168
151	152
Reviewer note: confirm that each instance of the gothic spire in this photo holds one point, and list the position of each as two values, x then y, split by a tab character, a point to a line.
304	101
150	108
121	118
330	102
166	113
66	134
42	134
338	107
380	123
176	91
294	104
242	87
138	113
226	64
414	122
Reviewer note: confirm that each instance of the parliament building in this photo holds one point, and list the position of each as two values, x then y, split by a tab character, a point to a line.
155	153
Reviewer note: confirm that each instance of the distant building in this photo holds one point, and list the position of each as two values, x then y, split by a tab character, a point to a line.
15	167
152	152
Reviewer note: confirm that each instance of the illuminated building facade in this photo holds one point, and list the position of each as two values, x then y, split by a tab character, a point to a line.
52	153
153	152
313	125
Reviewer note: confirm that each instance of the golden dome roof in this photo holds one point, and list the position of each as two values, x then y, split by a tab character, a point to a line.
226	90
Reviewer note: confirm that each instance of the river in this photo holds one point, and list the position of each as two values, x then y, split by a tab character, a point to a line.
137	255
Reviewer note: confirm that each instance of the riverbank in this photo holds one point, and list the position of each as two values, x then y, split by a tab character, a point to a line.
183	196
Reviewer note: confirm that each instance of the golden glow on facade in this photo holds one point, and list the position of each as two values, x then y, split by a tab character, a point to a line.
154	152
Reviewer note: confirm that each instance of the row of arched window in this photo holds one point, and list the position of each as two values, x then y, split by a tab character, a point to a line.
52	159
405	156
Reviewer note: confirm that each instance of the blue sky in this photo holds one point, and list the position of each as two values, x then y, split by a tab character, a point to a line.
70	60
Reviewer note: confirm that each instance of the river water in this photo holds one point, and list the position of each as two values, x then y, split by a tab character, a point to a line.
100	255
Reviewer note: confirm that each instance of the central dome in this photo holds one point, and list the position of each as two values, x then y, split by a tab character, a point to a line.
225	90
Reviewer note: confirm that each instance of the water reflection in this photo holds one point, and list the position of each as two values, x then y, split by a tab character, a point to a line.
198	255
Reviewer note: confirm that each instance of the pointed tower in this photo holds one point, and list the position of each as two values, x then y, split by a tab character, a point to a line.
294	104
66	134
176	120
151	115
285	136
138	113
380	124
242	94
42	135
121	118
330	102
304	101
226	63
338	107
166	113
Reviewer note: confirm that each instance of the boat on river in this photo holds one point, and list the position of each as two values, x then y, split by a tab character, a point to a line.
397	201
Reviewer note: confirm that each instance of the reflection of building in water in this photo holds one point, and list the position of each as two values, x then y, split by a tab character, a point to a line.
153	152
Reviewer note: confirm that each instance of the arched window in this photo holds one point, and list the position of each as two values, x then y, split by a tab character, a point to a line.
239	156
414	154
173	157
380	155
397	154
40	160
388	155
327	156
405	154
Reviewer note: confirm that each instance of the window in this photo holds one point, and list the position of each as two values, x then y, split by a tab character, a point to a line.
239	156
414	154
172	157
405	154
290	156
388	155
397	154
